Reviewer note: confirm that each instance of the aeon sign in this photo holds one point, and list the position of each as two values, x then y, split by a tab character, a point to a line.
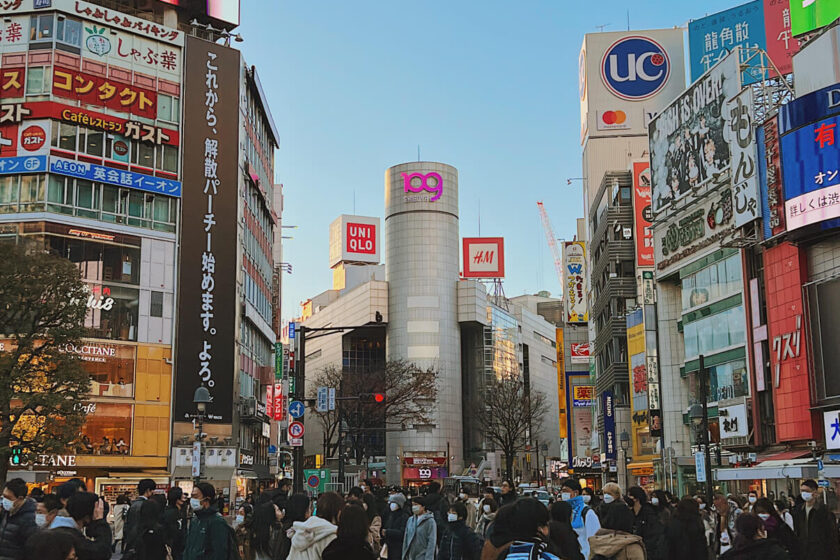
635	68
418	182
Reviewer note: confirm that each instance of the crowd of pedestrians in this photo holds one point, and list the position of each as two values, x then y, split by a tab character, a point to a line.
577	524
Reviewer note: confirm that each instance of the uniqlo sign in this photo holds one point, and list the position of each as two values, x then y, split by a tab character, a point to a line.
354	240
361	238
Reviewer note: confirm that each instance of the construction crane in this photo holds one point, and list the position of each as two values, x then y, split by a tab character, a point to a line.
552	242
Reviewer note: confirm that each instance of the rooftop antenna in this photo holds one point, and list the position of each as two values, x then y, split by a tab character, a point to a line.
600	28
418	152
628	20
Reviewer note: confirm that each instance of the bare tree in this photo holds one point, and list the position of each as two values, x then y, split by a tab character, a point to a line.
510	416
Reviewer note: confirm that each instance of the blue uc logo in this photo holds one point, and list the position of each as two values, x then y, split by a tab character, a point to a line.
635	68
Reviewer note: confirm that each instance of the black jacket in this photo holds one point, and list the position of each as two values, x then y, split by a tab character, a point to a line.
817	536
762	549
686	540
647	525
778	531
15	528
460	543
340	549
152	544
175	524
97	544
509	498
132	522
616	516
395	531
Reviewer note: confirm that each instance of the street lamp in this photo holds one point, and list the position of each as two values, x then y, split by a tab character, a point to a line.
624	446
201	398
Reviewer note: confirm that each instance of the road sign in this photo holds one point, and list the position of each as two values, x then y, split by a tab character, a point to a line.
820	465
296	442
331	398
296	430
700	466
291	331
824	483
313	481
321	405
296	409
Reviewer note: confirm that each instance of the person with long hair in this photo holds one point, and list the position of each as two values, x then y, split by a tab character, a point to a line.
175	521
120	513
776	527
311	537
685	535
264	532
751	542
374	522
563	539
646	523
662	506
351	542
242	525
295	508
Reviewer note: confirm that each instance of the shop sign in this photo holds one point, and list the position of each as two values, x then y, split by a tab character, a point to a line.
831	422
13	113
484	257
112	46
104	92
414	183
744	169
770	178
55	460
25	139
14	32
84	234
92	352
574	282
12	82
354	239
246	459
266	429
23	164
781	46
733	421
584	395
787	346
608	406
643	214
111	176
279	402
580	353
433	461
586	462
261	410
424	473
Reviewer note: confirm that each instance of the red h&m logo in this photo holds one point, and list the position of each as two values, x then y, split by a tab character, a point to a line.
361	238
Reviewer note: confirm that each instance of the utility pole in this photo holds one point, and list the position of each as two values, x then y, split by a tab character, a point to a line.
702	374
300	395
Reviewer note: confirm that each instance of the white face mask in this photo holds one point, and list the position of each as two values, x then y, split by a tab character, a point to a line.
486	508
752	499
805	495
654	501
764	516
702	506
608	498
195	503
8	504
462	496
363	488
452	517
40	519
566	496
394	506
415	509
239	519
587	498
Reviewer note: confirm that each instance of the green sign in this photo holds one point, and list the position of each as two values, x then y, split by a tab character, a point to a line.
316	479
278	361
808	15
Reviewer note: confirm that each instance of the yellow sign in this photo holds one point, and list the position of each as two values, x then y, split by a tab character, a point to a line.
561	382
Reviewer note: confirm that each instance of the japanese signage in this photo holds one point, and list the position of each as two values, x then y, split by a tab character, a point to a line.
733	421
23	164
425	461
484	257
27	138
580	353
638	379
770	178
642	213
574	281
354	239
104	92
831	422
561	383
581	398
14	33
781	46
583	395
207	306
744	168
808	15
279	402
111	176
688	140
117	48
12	82
713	37
608	407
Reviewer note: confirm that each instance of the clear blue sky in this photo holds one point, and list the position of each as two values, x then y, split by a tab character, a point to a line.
489	87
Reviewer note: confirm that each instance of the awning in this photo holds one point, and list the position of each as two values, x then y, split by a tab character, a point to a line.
210	473
779	469
783	456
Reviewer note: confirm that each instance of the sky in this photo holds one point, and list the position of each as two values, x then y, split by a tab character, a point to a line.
489	87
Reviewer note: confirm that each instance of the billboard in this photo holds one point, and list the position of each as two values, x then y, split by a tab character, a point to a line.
642	213
770	178
808	15
689	140
207	304
484	257
625	78
712	38
580	353
581	398
574	282
781	46
561	382
355	239
744	154
608	406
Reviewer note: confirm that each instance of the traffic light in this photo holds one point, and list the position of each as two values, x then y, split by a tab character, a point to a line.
17	456
372	398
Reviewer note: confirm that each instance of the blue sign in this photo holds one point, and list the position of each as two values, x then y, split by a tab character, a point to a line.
700	466
635	68
272	449
820	465
713	37
609	425
322	399
42	4
760	137
812	107
296	409
291	331
111	176
23	164
823	483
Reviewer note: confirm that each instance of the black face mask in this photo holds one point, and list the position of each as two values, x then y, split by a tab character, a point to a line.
629	501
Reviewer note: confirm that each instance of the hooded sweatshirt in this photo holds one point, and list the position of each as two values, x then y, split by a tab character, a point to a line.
310	538
616	544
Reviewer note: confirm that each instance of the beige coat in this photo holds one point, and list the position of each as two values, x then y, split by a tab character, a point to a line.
618	544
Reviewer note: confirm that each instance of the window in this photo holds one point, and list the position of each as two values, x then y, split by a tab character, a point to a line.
8	193
168	108
143	154
37	80
714	333
41	28
717	281
93	141
67	137
167	158
69	31
31	193
156	304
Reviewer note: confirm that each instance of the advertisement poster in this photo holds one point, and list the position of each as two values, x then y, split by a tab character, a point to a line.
608	406
808	15
574	280
781	46
561	383
744	155
642	213
770	178
689	140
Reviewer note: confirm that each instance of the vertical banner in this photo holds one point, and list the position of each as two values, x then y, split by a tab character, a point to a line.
643	214
609	425
269	401
278	361
207	304
561	382
744	156
574	281
781	46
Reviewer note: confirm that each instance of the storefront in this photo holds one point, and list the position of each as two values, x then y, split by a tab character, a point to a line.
420	470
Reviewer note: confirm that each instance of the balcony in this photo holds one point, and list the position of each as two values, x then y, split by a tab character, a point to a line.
250	412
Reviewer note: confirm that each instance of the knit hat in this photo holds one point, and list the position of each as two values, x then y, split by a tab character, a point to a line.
398	499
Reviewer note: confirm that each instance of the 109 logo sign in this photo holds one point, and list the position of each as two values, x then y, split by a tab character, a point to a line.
418	182
635	68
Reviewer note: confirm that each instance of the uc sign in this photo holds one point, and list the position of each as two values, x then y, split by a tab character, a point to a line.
635	68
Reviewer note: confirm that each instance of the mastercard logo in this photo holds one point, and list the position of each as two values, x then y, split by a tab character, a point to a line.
613	117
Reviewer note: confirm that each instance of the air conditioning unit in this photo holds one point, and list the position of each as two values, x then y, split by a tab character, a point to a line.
752	457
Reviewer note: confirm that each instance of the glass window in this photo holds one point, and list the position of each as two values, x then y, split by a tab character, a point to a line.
69	31
94	142
144	154
114	313
67	137
156	304
41	28
107	430
168	158
733	274
85	194
31	193
35	80
164	107
110	199
8	193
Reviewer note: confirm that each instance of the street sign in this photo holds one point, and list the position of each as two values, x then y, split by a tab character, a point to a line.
820	465
331	398
313	481
296	409
196	458
296	430
291	331
322	405
824	483
296	442
700	466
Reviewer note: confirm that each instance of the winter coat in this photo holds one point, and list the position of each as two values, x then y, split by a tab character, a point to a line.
420	538
484	521
460	543
509	498
151	545
176	530
564	541
778	531
119	520
97	544
818	534
762	549
208	536
375	534
340	549
310	538
686	539
647	525
15	527
395	531
616	545
132	522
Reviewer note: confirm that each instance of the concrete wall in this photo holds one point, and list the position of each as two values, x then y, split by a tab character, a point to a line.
673	389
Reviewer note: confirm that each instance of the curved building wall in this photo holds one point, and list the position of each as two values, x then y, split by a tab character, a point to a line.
422	269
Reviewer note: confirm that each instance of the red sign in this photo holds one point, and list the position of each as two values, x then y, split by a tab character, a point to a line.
484	257
424	473
580	353
12	81
279	403
269	401
33	138
361	238
105	92
296	430
643	215
426	461
781	46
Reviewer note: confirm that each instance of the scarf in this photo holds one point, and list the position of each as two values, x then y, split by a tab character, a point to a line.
577	509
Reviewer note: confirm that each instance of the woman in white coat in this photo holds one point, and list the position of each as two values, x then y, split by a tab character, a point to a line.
311	537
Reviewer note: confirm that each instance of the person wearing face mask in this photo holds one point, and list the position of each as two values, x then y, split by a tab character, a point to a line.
614	513
646	523
175	521
662	505
725	529
242	527
394	531
459	542
814	525
46	510
562	537
420	537
708	518
87	511
685	535
209	536
17	521
615	539
486	517
752	542
752	498
584	519
776	527
590	499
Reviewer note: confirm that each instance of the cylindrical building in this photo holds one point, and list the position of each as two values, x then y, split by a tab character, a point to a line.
422	270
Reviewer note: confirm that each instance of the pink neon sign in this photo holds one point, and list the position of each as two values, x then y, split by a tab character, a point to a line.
418	182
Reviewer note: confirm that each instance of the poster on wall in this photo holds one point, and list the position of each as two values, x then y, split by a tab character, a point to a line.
642	213
781	46
689	140
574	281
